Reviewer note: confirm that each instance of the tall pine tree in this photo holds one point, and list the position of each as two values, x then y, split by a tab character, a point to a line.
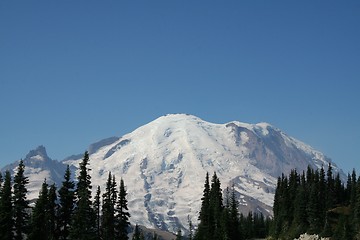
123	215
204	218
40	224
6	209
234	223
66	205
108	211
83	221
21	204
97	212
52	207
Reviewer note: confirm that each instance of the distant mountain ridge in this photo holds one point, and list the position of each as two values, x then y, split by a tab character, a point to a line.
39	166
164	163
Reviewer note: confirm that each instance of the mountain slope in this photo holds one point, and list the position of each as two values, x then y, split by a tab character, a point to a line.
164	163
39	166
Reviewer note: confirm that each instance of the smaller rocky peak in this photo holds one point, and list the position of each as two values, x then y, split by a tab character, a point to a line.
38	154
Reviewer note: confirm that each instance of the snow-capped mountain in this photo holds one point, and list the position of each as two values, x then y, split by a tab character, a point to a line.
39	166
164	164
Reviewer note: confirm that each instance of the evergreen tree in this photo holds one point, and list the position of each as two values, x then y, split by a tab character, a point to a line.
52	209
83	221
40	225
276	227
123	215
321	206
327	232
260	229
6	209
108	211
353	189
313	207
322	193
283	221
66	205
300	223
204	218
21	204
357	206
138	235
43	219
294	182
339	192
97	211
191	229
330	188
234	221
348	189
215	209
113	191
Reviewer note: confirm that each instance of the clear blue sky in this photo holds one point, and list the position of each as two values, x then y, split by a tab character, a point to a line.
75	72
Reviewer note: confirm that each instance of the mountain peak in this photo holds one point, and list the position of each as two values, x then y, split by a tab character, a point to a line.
39	154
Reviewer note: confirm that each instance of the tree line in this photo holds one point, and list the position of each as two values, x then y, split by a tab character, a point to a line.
317	202
70	213
64	213
219	217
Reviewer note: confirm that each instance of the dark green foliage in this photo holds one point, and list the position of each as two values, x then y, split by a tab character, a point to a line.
66	205
108	210
138	235
52	209
122	214
115	214
40	225
97	212
43	218
211	213
6	209
221	220
352	189
215	209
191	229
233	221
204	216
330	191
322	205
21	204
327	232
300	222
282	204
313	210
357	205
83	220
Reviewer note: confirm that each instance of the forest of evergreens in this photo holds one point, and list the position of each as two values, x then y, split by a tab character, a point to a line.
65	213
315	201
219	217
